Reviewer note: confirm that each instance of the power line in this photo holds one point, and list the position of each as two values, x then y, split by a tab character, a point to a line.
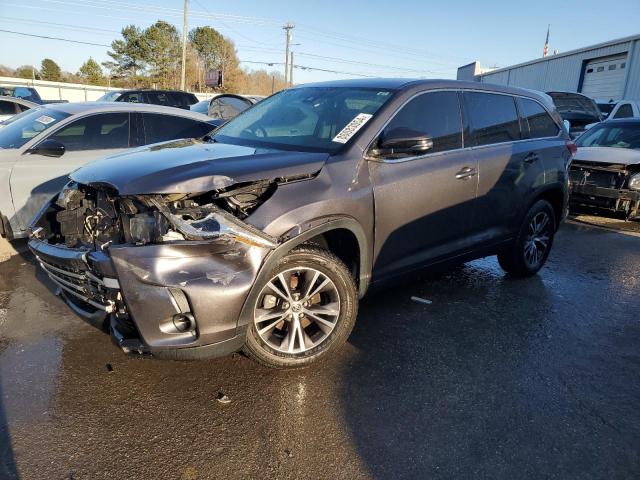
56	38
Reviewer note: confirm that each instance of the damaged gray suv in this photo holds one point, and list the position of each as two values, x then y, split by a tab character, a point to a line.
264	235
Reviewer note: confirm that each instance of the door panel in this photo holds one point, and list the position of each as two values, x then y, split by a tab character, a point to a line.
422	211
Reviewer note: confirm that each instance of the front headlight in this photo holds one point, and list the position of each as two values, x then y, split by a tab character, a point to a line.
634	182
209	222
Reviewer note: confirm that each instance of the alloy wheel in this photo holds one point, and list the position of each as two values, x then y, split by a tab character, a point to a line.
297	310
538	238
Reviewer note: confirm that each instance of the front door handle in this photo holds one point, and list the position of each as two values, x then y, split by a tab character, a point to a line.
532	157
466	172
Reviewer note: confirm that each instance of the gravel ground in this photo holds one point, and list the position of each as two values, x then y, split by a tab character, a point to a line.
497	378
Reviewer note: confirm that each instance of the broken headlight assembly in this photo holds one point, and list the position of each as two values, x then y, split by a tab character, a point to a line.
157	219
634	182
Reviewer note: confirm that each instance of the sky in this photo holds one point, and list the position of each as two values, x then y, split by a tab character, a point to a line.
405	38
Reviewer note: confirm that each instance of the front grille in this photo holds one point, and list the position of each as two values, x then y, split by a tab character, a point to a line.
83	285
597	177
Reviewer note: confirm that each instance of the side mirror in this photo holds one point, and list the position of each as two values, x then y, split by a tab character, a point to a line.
567	124
402	141
49	148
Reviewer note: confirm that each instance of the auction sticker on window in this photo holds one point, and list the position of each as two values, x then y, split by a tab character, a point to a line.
45	119
352	127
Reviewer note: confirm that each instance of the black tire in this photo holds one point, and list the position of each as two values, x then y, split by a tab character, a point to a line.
315	259
517	259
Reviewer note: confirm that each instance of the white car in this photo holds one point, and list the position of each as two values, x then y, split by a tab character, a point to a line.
10	106
41	146
625	109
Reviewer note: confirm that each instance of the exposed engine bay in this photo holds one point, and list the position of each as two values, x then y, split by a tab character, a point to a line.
93	217
613	187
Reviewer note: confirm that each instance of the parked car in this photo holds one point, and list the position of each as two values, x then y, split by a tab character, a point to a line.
26	93
224	107
39	147
265	236
10	106
625	109
605	173
168	98
579	110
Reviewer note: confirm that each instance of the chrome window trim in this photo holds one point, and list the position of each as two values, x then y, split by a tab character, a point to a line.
463	148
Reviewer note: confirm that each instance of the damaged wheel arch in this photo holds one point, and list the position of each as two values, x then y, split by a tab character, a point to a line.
320	227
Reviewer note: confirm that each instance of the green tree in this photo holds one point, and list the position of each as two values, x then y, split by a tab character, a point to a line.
162	52
218	52
128	54
91	72
49	70
27	71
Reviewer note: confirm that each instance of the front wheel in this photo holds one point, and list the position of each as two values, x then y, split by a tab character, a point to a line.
529	252
304	311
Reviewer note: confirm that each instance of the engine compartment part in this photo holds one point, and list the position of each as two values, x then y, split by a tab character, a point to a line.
95	217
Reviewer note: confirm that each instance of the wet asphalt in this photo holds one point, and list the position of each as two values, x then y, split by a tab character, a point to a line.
496	378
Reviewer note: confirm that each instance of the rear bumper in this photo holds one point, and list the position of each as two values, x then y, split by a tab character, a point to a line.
141	289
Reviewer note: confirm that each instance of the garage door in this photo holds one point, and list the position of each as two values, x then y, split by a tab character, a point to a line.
604	78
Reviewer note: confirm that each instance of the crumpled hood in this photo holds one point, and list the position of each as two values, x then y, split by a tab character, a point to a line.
623	156
194	166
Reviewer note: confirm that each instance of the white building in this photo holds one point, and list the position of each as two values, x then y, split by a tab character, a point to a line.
607	71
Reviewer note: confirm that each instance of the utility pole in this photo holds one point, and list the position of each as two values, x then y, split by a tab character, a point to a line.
291	70
287	28
184	46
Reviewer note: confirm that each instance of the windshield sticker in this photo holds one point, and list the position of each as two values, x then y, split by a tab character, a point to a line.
45	119
352	127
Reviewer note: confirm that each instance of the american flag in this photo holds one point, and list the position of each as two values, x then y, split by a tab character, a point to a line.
545	50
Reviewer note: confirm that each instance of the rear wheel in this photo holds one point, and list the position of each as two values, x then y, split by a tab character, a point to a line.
304	311
529	252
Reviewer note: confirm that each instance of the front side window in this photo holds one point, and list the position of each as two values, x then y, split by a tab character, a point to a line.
96	132
435	115
612	135
21	128
160	128
132	97
625	111
493	118
536	119
305	118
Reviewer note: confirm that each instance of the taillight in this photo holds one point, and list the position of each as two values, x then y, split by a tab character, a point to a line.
571	147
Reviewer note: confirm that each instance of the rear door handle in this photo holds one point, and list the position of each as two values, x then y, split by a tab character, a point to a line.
532	157
466	172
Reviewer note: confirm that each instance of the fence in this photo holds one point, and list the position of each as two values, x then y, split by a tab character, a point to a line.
71	92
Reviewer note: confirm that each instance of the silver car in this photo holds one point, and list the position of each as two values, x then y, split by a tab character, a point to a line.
40	147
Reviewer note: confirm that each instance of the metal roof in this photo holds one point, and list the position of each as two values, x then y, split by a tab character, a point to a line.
564	54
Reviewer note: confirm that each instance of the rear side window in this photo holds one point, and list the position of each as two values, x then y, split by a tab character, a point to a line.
160	128
7	108
625	111
493	118
436	115
182	100
96	132
536	120
160	98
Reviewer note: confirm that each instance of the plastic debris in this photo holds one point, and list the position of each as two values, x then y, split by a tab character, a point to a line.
421	300
222	398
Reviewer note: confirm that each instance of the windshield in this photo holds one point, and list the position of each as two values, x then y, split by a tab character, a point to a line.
26	125
617	136
306	119
109	97
606	107
200	107
566	103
